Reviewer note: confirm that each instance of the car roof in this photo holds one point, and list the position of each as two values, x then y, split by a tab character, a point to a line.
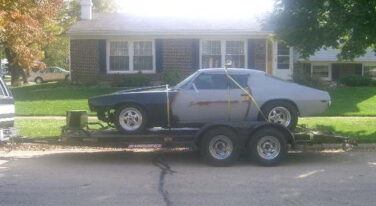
231	71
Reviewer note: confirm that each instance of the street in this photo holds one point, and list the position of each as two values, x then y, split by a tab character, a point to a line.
181	178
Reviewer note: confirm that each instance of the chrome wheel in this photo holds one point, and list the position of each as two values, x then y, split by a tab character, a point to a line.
38	80
130	119
220	147
268	147
280	115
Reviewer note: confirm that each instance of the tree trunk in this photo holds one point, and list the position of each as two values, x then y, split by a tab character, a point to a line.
15	71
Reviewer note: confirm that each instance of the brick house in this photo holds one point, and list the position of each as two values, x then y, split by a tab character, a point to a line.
106	46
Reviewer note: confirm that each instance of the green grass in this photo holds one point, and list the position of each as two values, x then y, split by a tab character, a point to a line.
353	101
52	100
362	128
39	127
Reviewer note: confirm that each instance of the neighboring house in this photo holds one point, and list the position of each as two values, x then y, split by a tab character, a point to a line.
108	45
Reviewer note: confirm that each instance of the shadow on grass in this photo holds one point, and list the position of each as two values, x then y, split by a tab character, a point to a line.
55	91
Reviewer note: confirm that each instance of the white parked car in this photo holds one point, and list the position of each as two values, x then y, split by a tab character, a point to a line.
49	74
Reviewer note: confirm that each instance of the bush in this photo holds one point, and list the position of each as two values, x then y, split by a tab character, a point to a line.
356	81
135	80
303	76
171	76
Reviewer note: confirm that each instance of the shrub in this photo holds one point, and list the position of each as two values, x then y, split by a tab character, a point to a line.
302	75
135	80
356	81
171	76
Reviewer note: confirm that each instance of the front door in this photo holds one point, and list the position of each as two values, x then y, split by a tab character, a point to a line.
205	100
239	100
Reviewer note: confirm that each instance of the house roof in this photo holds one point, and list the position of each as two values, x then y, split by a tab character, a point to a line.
331	55
127	24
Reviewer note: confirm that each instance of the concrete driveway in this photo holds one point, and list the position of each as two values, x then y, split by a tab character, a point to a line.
180	178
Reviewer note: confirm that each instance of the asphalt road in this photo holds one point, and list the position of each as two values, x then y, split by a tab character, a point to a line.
126	178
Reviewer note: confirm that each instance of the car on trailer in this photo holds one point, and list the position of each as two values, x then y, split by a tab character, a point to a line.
208	95
7	112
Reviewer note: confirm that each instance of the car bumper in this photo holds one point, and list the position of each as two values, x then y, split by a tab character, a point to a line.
8	133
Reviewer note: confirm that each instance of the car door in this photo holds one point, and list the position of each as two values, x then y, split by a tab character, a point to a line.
47	74
204	100
241	103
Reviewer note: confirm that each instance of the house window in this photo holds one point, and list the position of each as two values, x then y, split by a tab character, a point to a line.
214	53
131	56
283	56
370	70
143	55
235	53
119	58
211	54
321	71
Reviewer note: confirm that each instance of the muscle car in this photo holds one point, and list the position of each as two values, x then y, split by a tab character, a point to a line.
209	95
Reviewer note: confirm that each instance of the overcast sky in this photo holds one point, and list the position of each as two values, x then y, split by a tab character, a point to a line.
197	8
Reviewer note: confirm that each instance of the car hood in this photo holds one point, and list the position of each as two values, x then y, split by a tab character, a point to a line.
161	88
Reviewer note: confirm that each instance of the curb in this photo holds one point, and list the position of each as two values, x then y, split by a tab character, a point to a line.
322	147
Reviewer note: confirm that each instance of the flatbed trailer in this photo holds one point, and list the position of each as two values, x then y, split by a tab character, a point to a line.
219	143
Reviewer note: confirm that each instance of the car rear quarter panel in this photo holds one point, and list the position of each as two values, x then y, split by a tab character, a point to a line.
309	101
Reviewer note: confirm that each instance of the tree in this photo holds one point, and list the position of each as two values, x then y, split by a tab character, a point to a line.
309	25
24	30
57	52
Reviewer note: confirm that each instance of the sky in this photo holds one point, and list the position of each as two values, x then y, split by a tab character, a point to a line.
197	8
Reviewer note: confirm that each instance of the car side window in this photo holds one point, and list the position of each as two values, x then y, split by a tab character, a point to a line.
241	79
211	81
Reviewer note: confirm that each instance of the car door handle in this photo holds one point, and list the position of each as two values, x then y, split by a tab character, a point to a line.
244	95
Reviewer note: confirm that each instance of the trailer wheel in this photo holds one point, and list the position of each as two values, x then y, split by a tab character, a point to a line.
268	147
219	147
130	119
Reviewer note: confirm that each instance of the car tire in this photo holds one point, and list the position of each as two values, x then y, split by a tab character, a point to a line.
280	112
267	147
130	119
220	147
38	80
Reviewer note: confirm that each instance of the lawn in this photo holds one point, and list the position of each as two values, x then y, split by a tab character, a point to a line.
54	100
362	128
39	127
51	99
353	101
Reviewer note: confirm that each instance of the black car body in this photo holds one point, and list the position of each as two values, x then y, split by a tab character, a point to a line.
152	99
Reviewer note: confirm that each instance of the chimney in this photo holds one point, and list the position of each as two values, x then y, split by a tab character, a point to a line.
86	9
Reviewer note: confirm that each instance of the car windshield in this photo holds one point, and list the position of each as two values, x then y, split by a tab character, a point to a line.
185	81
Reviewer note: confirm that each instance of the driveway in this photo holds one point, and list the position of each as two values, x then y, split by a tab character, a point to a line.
180	178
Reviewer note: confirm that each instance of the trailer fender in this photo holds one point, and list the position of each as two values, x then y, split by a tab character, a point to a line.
289	136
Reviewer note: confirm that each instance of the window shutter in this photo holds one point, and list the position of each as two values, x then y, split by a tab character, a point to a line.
196	54
102	56
159	55
251	53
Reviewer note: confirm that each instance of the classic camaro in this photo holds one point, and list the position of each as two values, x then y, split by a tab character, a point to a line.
209	95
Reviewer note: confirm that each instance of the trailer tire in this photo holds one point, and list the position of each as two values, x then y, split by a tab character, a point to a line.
137	119
220	147
268	147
